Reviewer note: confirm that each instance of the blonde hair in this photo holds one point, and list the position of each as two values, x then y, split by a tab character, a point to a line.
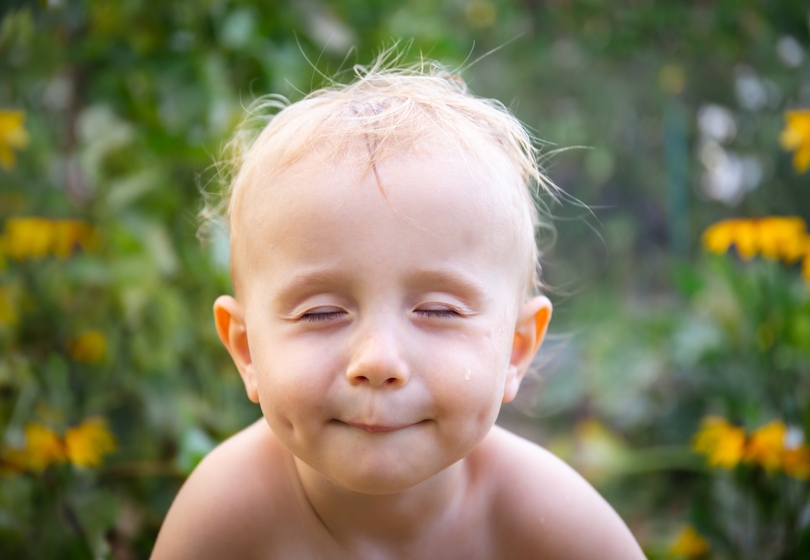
386	111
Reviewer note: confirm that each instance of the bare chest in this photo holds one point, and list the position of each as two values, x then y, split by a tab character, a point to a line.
468	537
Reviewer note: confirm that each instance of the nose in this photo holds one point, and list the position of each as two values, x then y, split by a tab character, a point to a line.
377	362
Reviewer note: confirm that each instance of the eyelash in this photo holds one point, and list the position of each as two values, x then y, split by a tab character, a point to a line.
333	315
438	313
319	317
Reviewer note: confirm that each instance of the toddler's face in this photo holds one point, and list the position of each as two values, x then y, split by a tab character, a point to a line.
380	328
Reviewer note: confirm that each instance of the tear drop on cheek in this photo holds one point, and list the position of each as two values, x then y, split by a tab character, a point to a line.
467	374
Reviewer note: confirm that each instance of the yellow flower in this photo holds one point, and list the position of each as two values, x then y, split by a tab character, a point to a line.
69	234
42	448
742	233
782	238
775	237
796	462
796	136
31	238
89	347
721	442
87	443
719	236
766	446
13	136
28	237
689	544
746	239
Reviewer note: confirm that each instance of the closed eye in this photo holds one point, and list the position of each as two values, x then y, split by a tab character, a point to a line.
320	316
438	313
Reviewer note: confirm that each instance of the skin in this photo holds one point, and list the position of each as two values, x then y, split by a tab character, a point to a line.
380	326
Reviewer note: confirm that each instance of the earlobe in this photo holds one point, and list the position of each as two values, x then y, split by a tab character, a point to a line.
530	330
231	329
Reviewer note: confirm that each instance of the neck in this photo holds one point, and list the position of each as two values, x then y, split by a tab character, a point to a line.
403	517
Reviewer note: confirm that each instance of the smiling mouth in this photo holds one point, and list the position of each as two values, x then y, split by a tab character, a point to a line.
372	428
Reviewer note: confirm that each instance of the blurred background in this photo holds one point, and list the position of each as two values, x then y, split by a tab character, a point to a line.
677	374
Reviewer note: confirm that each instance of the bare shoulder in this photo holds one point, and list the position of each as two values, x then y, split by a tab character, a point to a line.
226	505
543	508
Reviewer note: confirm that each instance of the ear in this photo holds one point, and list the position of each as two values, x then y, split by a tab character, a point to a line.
230	323
530	330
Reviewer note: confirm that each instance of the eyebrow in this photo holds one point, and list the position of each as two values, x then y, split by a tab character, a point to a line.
448	280
302	283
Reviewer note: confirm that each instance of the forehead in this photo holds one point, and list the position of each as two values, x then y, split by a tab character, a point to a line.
444	207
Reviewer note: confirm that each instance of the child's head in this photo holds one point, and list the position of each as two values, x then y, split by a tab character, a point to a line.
385	113
383	250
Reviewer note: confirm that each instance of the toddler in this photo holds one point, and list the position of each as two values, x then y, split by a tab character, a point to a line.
385	304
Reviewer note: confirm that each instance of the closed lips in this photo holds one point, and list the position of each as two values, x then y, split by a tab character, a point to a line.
377	427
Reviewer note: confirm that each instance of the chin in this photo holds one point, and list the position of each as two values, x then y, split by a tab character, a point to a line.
380	482
376	473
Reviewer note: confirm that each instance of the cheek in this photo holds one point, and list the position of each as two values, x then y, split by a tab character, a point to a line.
467	381
293	380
